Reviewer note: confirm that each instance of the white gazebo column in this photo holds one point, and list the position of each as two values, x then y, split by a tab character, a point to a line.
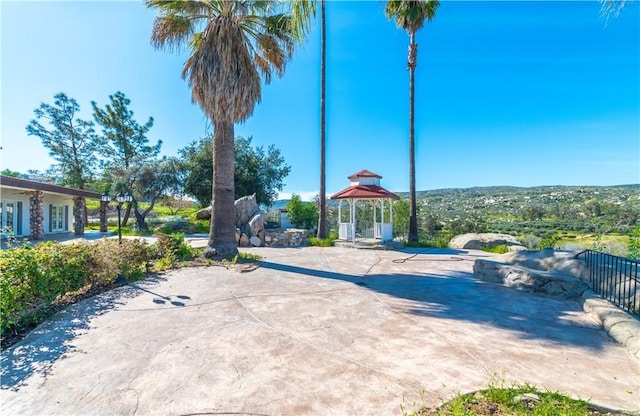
373	201
391	214
353	220
340	235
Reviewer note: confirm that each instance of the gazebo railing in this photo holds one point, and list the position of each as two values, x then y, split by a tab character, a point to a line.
345	232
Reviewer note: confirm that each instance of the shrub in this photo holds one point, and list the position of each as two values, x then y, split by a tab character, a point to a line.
324	242
499	249
32	279
173	227
530	241
171	249
110	260
633	246
549	241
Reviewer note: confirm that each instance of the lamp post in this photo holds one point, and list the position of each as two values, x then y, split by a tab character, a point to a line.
121	198
103	211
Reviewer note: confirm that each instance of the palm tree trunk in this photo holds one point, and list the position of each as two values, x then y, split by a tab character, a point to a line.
222	234
413	220
322	220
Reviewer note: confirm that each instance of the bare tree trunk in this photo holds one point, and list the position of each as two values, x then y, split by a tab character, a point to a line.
413	219
222	234
322	220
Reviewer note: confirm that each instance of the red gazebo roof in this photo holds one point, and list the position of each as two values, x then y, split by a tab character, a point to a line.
364	174
364	192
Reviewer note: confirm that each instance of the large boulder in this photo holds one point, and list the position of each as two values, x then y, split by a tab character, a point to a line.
479	241
246	208
204	214
249	220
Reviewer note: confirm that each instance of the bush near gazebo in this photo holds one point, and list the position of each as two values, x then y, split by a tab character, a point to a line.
302	214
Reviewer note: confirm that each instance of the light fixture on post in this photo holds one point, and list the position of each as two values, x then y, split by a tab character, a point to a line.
121	198
105	198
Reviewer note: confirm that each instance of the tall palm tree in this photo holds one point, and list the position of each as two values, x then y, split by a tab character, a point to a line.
231	43
302	12
410	15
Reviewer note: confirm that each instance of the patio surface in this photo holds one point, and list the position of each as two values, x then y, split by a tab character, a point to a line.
322	331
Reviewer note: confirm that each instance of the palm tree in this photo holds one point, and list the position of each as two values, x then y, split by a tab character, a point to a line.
410	15
231	43
302	11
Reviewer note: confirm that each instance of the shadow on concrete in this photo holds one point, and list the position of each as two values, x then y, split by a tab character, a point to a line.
52	340
455	295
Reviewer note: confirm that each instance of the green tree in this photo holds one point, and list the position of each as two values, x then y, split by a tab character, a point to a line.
633	247
302	11
302	214
255	170
401	217
154	181
126	147
71	141
410	15
9	172
231	43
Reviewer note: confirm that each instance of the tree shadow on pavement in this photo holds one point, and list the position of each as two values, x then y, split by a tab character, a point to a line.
456	295
52	340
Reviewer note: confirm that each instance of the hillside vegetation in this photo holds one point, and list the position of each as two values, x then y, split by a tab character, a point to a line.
582	209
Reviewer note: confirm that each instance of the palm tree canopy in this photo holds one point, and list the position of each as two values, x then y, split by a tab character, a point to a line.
411	14
231	44
302	11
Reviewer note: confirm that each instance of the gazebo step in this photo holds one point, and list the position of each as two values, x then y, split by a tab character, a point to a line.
369	243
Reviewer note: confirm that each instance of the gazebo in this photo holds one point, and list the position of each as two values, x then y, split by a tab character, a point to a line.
365	186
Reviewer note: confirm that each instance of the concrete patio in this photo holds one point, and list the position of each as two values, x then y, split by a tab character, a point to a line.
322	331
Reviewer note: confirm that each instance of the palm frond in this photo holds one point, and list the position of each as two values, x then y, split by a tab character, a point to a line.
232	44
410	15
302	11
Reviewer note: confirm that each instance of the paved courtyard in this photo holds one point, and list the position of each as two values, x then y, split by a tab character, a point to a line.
322	331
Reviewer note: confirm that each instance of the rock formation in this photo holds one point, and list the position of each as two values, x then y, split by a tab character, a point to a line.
249	220
480	241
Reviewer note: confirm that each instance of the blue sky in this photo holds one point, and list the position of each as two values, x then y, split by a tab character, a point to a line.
507	93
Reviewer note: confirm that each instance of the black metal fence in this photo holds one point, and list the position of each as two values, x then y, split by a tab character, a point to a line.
614	278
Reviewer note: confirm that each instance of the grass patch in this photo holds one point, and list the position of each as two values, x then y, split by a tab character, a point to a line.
436	241
320	242
516	400
243	258
499	249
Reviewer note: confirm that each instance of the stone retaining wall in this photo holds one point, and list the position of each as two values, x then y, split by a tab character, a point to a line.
620	325
291	237
529	280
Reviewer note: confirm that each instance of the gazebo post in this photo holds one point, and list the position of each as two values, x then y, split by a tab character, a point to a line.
353	220
391	216
374	217
382	214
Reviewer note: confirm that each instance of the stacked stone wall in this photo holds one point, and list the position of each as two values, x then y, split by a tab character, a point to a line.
36	215
79	207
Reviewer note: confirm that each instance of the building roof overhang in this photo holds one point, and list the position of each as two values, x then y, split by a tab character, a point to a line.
24	184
